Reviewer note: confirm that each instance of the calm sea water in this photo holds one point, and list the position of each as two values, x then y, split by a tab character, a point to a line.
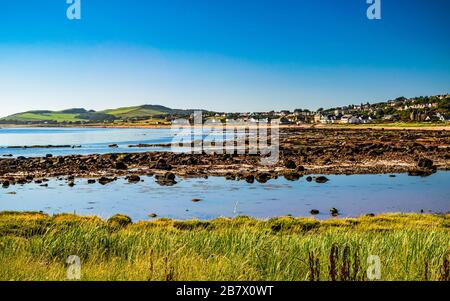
353	195
91	140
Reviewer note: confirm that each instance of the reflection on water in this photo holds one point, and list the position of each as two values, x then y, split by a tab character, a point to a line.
353	195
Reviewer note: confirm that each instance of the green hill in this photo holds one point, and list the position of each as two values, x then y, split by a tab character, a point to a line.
78	115
145	111
44	116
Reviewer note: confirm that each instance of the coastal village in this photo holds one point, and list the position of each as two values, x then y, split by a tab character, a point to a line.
432	109
419	109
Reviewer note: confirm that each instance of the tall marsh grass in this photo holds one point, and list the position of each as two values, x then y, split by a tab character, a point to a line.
35	246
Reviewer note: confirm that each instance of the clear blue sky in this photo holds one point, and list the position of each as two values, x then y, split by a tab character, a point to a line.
225	55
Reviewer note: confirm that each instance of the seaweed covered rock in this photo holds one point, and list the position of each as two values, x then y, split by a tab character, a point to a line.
263	177
334	212
161	164
289	164
120	166
321	179
292	176
424	163
133	179
420	172
106	180
167	179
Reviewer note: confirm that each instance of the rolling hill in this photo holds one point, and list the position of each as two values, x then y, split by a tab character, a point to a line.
80	115
145	111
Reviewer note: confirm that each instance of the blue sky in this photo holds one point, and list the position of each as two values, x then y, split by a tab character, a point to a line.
225	55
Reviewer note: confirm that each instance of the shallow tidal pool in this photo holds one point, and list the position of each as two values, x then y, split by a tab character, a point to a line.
353	196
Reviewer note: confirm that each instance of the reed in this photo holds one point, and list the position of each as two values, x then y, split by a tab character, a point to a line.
35	246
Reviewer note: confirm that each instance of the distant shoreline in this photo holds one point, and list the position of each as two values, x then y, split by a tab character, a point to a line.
387	126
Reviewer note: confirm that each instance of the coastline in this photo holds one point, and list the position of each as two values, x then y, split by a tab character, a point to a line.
387	126
302	152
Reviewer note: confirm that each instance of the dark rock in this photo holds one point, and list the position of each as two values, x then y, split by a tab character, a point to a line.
169	176
300	168
250	179
71	184
230	176
334	212
106	180
321	179
370	215
152	215
113	146
292	176
133	179
263	177
290	164
120	166
91	181
161	164
419	172
314	212
196	200
424	163
5	184
168	179
309	179
22	181
49	156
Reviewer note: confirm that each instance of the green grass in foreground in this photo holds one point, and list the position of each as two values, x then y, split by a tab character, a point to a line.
35	246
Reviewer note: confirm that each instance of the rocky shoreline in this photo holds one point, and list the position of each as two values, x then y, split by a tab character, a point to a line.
303	152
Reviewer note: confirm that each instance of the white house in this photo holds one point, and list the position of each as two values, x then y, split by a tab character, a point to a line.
350	119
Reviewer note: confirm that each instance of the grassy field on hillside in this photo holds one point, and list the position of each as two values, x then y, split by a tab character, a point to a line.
82	115
132	112
57	117
35	246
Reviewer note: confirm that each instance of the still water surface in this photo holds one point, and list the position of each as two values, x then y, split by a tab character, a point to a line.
353	195
91	140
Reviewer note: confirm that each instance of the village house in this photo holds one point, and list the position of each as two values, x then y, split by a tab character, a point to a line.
350	119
